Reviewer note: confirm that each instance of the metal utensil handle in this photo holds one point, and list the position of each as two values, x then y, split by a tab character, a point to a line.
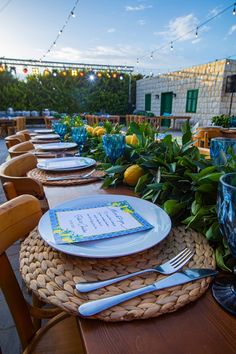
96	306
85	287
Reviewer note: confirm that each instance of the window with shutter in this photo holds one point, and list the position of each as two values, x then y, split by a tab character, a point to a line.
191	102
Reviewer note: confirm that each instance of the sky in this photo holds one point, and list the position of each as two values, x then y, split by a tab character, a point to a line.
119	31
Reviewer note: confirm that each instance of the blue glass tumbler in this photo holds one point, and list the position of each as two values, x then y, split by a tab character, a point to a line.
114	146
224	287
219	148
60	129
79	135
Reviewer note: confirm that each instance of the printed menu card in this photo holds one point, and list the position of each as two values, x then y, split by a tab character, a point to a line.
103	220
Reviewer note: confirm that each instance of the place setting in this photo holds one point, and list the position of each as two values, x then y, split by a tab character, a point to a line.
70	170
114	248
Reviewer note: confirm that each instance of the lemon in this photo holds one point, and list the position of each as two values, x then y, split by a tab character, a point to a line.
128	139
95	129
132	174
131	139
89	129
100	132
134	140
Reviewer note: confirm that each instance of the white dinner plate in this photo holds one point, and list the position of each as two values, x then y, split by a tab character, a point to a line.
66	163
117	246
56	146
43	131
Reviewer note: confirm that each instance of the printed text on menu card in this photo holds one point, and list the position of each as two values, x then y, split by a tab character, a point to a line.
104	220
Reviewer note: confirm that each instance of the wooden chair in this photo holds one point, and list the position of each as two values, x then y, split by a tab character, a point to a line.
21	148
203	136
26	134
48	122
20	123
14	172
12	140
60	335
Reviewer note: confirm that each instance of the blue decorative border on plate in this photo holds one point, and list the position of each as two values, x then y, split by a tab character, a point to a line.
67	236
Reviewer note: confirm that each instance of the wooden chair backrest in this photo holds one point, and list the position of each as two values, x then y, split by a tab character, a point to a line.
112	119
203	136
20	123
48	122
17	218
21	148
15	171
91	119
155	122
12	140
26	134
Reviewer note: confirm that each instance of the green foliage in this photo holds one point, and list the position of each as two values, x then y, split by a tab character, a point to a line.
67	94
181	181
222	120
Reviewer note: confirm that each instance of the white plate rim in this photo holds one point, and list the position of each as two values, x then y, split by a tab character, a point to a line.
43	131
91	163
47	136
90	252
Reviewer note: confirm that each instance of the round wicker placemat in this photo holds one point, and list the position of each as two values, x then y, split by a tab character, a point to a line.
52	276
42	177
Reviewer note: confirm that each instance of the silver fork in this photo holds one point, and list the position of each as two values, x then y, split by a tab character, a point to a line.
169	267
84	176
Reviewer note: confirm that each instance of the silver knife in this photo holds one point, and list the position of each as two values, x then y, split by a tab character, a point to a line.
93	307
84	176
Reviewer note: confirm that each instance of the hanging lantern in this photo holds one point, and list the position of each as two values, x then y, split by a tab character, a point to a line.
25	70
64	72
35	71
108	75
114	75
2	68
46	72
81	74
99	74
74	72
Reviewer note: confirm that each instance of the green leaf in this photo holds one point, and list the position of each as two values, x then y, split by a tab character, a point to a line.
172	206
116	169
206	171
108	181
211	177
219	253
206	188
213	233
141	183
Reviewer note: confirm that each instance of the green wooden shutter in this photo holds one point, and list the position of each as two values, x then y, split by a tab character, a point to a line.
191	102
148	99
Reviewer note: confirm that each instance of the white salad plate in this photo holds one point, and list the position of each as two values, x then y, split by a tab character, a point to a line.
66	164
47	136
56	146
43	131
116	246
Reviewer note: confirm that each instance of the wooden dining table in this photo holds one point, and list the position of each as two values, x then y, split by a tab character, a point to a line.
201	327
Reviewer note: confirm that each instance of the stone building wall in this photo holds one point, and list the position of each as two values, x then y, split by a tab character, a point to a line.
209	79
230	69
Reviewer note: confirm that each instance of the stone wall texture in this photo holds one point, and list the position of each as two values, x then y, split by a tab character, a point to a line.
209	79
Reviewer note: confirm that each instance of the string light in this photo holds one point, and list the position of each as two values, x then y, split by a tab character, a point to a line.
71	14
196	30
151	56
137	60
171	46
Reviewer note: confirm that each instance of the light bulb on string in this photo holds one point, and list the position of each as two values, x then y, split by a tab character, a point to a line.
234	9
54	44
151	56
60	32
171	46
196	33
137	60
72	14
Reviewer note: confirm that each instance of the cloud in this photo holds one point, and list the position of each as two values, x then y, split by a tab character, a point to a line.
119	54
111	30
181	28
138	7
141	22
232	30
214	11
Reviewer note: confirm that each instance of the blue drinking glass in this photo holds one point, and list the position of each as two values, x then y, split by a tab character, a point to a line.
79	135
114	146
60	129
224	287
219	149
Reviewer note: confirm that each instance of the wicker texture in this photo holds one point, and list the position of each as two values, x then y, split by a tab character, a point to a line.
42	177
52	276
